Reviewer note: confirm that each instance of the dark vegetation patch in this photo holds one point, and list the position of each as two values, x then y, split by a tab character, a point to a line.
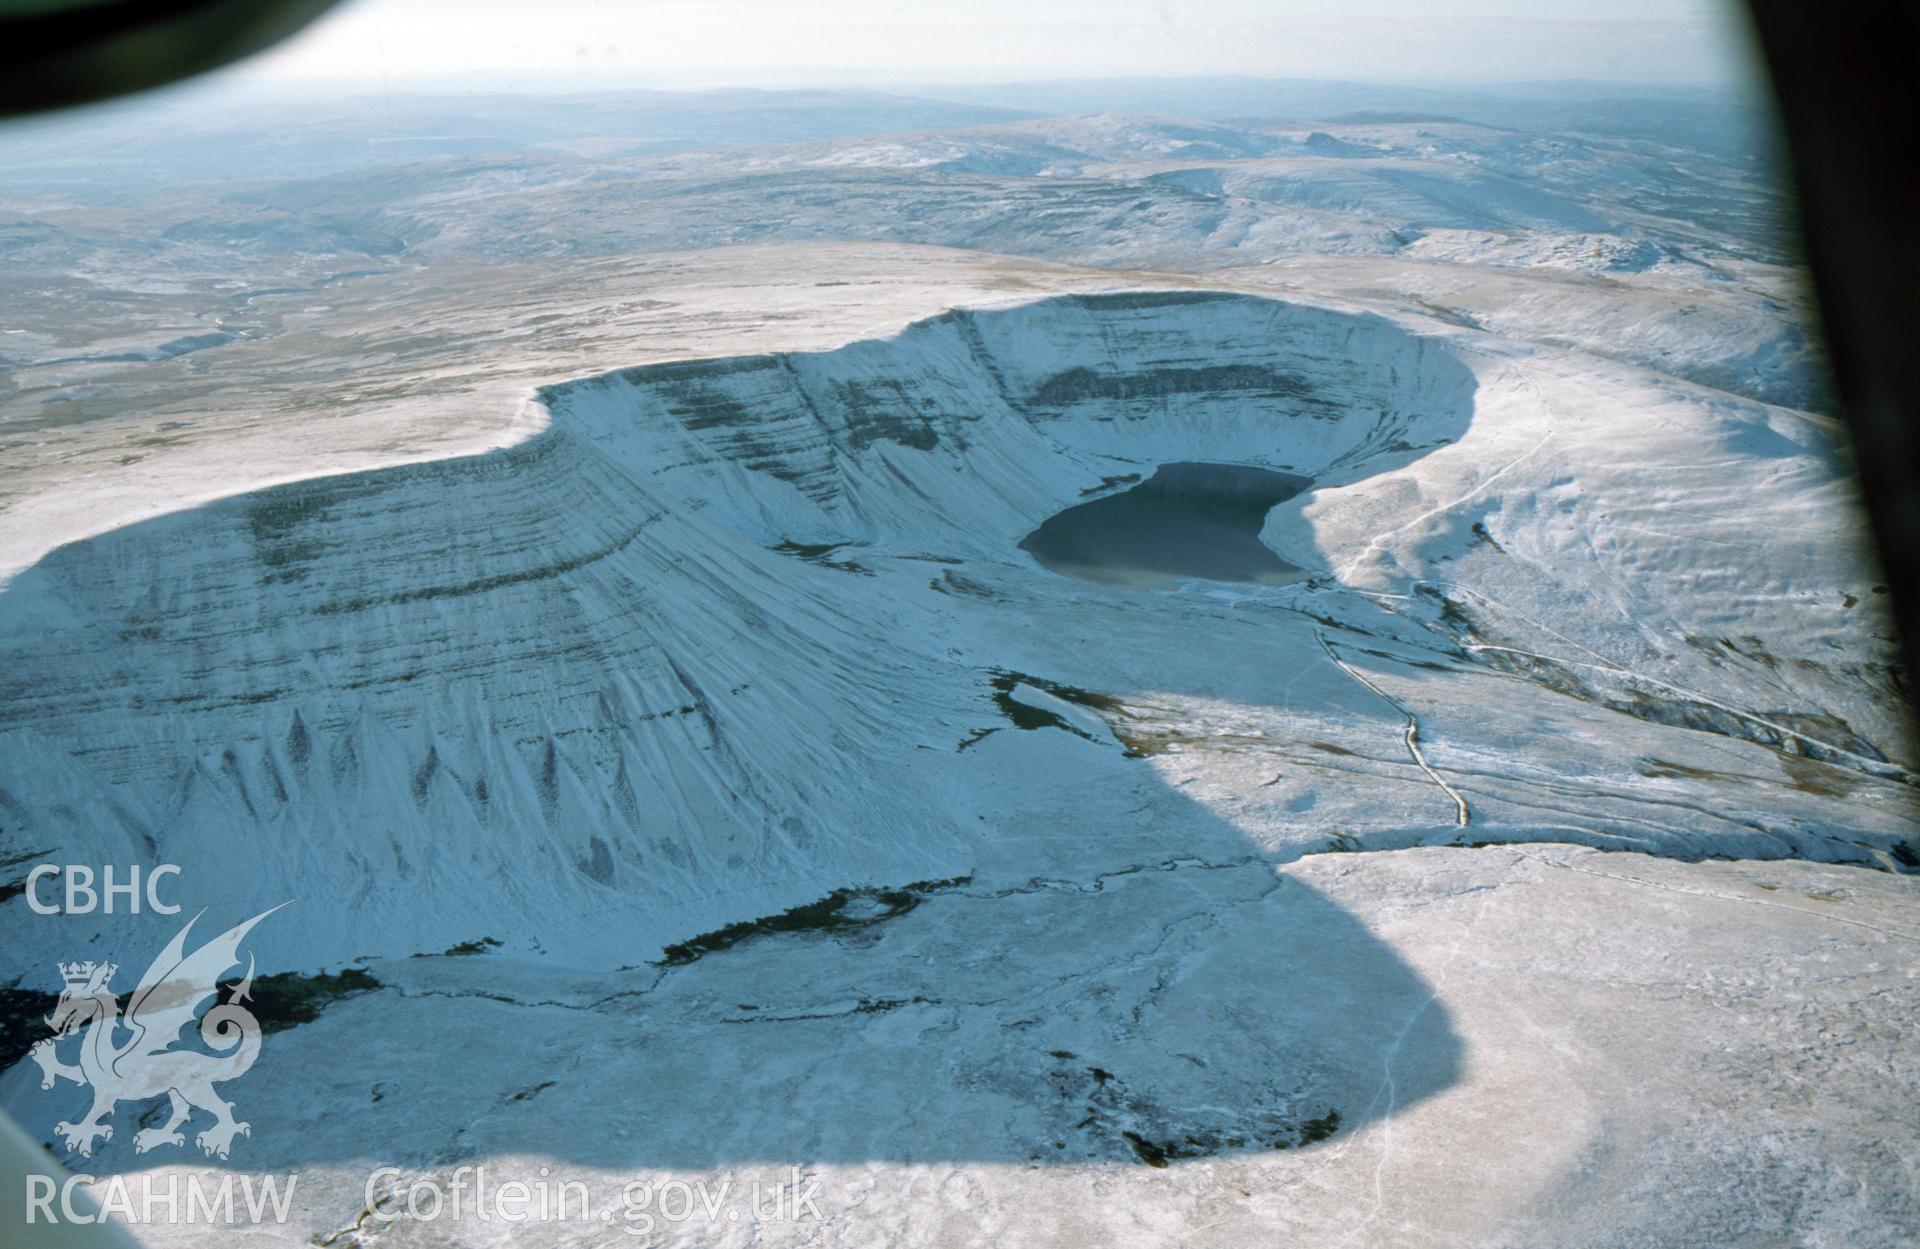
1108	483
1137	741
1148	1152
1025	717
467	948
1667	769
951	582
1003	683
280	1001
1141	743
528	1094
1202	1144
1717	650
1810	776
820	555
865	1006
1313	1131
23	1022
290	998
1118	1120
975	737
838	911
882	1005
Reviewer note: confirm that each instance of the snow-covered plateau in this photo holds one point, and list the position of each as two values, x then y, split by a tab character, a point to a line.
680	772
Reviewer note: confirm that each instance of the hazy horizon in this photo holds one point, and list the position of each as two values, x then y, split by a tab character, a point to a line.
686	44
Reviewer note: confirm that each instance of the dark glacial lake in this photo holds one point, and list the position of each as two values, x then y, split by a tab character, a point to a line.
1187	520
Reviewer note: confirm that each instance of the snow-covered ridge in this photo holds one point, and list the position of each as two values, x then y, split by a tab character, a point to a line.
579	673
1025	401
721	639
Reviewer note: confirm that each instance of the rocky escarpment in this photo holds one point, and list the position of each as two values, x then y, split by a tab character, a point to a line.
585	686
733	636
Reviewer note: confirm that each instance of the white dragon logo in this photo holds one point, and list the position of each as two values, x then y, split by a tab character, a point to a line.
145	1065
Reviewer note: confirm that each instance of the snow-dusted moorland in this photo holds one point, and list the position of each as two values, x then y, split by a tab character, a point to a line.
631	671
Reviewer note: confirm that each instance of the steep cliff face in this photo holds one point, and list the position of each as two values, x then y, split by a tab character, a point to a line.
971	427
731	635
591	686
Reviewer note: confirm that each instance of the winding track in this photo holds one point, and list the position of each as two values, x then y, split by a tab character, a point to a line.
1461	815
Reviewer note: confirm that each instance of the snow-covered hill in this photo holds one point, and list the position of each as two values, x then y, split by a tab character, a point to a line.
725	637
583	571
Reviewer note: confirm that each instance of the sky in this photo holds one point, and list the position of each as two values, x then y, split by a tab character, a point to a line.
605	43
